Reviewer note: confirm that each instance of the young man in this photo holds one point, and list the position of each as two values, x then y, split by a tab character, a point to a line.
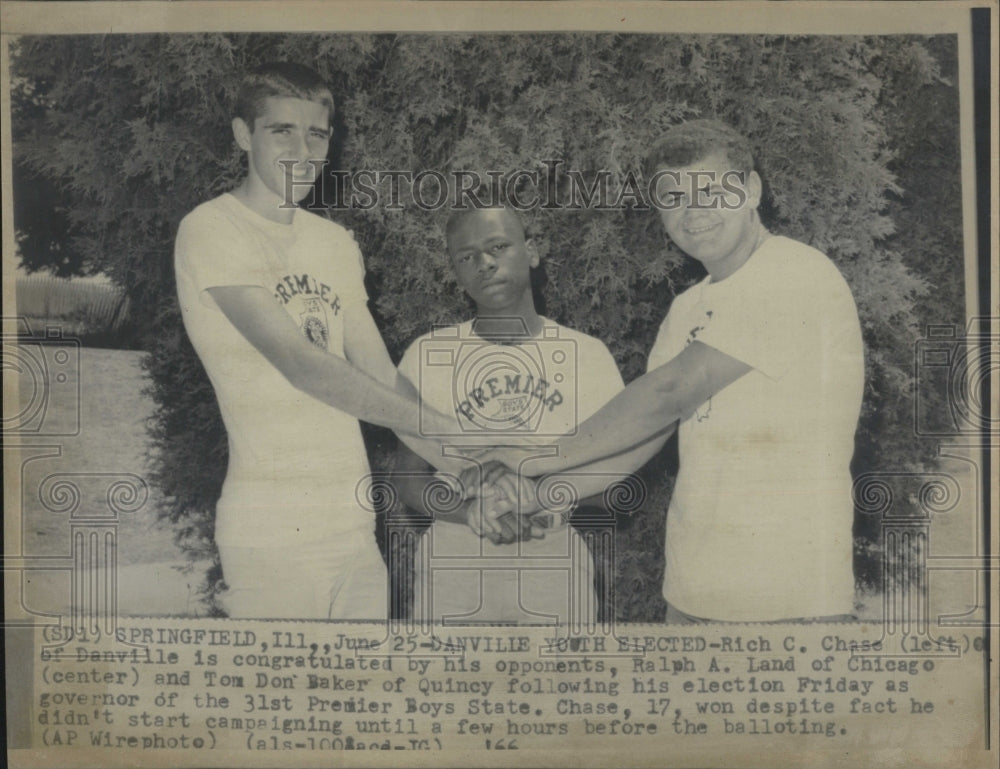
507	376
273	300
762	364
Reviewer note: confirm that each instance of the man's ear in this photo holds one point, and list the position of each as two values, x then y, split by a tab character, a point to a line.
241	132
755	189
533	258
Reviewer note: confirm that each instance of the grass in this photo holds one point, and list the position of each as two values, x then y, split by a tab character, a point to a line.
111	412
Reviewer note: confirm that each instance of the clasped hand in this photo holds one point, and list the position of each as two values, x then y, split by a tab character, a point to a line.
500	504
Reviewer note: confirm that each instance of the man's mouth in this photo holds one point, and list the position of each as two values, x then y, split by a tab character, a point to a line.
700	229
301	171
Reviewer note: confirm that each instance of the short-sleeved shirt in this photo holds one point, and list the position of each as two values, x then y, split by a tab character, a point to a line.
760	522
525	394
529	393
294	462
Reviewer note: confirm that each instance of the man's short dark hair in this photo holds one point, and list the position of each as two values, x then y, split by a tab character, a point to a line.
695	140
461	214
280	79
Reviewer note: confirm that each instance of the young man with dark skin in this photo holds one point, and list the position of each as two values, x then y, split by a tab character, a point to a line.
273	299
508	375
761	365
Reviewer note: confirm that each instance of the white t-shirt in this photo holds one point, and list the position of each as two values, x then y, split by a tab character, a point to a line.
525	394
759	526
529	393
294	462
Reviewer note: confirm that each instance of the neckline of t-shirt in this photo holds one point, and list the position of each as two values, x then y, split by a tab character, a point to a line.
263	220
745	269
546	323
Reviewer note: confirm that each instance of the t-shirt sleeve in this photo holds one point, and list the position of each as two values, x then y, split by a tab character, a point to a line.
771	322
212	252
667	346
351	287
766	344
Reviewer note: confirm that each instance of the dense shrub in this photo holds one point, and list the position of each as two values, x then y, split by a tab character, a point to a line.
130	133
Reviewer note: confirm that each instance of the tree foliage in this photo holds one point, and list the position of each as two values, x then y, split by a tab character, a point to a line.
128	133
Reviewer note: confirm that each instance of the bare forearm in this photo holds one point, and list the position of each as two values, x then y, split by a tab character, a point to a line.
433	452
338	383
646	409
365	389
643	413
381	369
594	479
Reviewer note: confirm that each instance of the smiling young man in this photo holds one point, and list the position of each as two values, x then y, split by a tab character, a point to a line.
273	299
761	363
509	375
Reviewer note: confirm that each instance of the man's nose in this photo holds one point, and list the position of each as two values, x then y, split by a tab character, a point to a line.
486	261
300	147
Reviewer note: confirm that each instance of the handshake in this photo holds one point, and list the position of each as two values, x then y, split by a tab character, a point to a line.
499	504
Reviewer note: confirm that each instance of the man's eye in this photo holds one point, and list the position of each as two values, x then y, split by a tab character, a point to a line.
496	249
319	135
